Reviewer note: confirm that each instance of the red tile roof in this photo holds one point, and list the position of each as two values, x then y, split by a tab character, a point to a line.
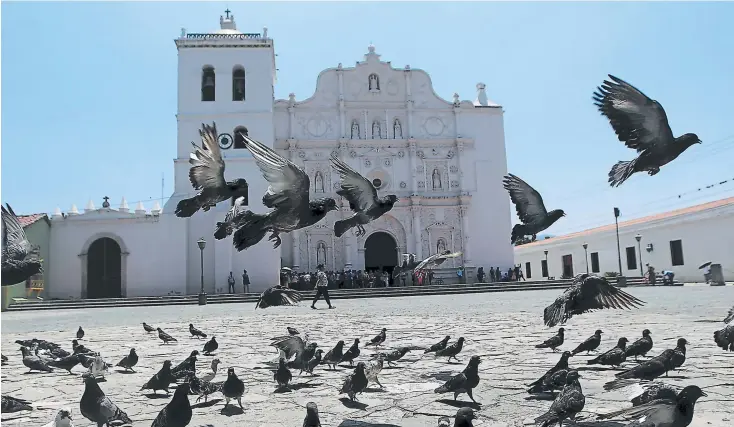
637	221
27	220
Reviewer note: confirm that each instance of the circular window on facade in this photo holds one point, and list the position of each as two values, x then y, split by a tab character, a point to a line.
377	182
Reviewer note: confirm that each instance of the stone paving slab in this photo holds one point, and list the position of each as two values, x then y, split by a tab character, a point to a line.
501	328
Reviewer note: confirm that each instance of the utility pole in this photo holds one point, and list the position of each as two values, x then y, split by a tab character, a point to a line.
619	250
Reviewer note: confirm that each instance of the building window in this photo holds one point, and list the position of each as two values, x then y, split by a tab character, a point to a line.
528	271
567	261
595	262
676	252
238	84
631	258
208	83
544	268
239	141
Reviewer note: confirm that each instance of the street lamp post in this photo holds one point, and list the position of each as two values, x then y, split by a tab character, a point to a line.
547	270
202	295
586	256
638	237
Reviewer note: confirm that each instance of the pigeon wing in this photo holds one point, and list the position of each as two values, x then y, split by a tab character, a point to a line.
638	121
109	410
359	192
598	293
291	345
444	257
528	202
162	419
281	296
657	407
207	166
15	242
557	312
289	184
237	209
455	383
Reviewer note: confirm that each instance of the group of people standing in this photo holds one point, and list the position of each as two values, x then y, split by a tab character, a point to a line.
513	274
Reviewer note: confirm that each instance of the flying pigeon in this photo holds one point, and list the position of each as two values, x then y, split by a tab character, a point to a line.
165	337
553	342
62	419
530	209
290	345
352	353
614	357
362	198
378	339
98	408
13	404
312	416
207	176
590	344
640	347
278	295
439	345
463	382
724	338
20	261
355	383
177	413
80	333
588	292
210	346
195	332
676	412
452	350
233	388
148	328
541	384
569	402
435	260
287	195
129	361
237	214
641	123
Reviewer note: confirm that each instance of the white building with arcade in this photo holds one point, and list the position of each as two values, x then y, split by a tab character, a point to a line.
443	159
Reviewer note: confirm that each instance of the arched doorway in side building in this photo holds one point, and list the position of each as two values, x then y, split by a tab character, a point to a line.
381	253
104	269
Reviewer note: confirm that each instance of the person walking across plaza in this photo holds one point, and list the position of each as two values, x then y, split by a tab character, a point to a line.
230	282
246	281
322	287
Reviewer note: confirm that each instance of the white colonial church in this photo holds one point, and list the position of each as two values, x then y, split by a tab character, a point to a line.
443	159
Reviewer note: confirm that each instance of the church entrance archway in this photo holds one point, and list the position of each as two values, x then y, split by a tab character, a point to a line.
380	253
104	269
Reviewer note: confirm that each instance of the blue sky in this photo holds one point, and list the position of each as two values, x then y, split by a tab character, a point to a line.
89	89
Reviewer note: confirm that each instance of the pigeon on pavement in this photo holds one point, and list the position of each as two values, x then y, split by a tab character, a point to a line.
464	417
647	371
195	332
614	357
355	383
394	355
530	209
373	369
282	375
129	361
161	380
679	354
62	419
590	344
312	416
724	338
553	342
12	404
313	362
334	355
34	363
210	346
640	347
540	385
588	292
177	413
20	260
148	328
67	362
98	408
362	198
452	350
233	388
378	339
352	353
165	337
287	195
439	345
648	391
278	295
729	316
569	402
463	382
80	333
641	123
207	176
676	412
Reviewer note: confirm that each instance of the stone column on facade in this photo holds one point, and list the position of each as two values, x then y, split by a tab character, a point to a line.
415	210
460	161
291	115
409	100
360	262
412	154
342	111
464	213
410	118
296	250
366	128
308	253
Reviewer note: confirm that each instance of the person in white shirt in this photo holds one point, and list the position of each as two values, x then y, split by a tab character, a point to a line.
322	287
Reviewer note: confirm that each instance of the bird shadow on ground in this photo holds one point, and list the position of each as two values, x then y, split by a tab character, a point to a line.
543	396
100	380
353	405
206	404
394	367
156	396
231	411
600	424
375	390
32	373
595	368
124	372
299	386
353	423
441	376
460	404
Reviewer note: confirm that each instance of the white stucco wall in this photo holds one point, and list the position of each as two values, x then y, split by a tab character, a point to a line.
706	235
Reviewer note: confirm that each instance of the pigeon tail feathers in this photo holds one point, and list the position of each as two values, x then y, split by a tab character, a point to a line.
547	419
253	229
621	172
343	225
187	207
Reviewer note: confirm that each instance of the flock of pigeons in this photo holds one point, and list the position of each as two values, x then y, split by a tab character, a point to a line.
657	405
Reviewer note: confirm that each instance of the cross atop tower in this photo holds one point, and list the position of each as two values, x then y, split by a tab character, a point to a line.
227	12
106	203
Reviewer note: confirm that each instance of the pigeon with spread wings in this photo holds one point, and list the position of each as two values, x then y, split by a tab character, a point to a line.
530	209
20	260
588	292
278	295
435	260
207	176
362	198
287	195
641	123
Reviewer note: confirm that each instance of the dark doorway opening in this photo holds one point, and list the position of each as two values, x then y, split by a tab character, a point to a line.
381	253
567	266
104	269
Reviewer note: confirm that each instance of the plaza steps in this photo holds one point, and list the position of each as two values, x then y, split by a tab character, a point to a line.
335	294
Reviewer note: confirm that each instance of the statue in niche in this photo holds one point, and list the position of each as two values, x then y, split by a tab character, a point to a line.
436	179
355	129
441	246
318	182
374	82
376	133
397	130
321	253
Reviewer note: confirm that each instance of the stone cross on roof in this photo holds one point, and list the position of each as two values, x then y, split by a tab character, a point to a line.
106	203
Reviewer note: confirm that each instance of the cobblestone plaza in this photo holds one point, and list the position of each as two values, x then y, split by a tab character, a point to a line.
501	327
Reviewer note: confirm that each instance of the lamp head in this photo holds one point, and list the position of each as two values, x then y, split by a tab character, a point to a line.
585	245
638	237
202	243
